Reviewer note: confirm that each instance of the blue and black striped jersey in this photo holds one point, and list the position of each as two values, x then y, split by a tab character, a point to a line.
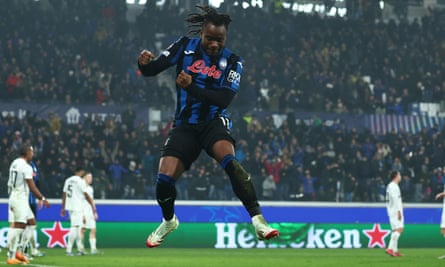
208	73
35	177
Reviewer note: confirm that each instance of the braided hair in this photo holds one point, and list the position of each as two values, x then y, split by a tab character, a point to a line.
208	15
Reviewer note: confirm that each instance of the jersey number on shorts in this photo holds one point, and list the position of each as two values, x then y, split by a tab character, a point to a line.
226	122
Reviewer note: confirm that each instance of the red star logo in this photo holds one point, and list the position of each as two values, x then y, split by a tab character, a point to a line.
376	236
56	235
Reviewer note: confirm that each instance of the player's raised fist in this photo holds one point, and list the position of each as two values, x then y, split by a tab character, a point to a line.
145	57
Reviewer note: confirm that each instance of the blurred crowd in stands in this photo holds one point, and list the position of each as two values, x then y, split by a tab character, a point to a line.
85	52
307	161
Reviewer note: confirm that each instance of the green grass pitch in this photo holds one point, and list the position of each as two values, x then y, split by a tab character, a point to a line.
166	257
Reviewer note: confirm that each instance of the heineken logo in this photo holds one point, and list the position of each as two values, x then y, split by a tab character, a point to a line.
294	235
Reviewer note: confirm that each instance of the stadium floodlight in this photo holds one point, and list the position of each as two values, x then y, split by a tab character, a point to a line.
342	11
216	3
332	12
382	4
142	2
286	5
130	2
308	8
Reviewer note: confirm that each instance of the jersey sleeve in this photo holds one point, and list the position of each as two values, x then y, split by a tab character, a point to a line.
169	57
27	171
233	74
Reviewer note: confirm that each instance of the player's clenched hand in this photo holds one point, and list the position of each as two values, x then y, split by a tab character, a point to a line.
145	57
183	80
438	196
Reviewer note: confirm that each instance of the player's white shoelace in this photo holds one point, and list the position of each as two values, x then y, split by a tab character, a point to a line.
165	228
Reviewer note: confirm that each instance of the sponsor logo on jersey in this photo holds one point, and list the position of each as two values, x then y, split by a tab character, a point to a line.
234	77
199	66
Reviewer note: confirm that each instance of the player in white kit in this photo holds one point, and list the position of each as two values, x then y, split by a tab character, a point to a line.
395	212
74	194
20	183
442	221
90	217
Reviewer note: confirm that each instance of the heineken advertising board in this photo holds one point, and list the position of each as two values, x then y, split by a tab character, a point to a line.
241	235
127	224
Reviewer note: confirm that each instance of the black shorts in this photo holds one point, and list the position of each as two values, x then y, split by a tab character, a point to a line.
187	140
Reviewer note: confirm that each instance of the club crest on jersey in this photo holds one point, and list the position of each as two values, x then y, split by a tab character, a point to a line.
223	63
199	66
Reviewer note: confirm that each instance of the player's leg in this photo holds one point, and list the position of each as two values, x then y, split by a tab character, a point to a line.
92	240
74	234
83	230
395	236
219	144
90	224
19	218
178	153
223	152
35	252
442	232
27	235
170	169
397	229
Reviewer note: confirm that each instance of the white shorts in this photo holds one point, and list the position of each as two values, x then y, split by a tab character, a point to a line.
19	211
442	221
89	222
396	223
76	218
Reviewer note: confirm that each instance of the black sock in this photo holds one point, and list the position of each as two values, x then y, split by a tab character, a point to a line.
242	185
166	195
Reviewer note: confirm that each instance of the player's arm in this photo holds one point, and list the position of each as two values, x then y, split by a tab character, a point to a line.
227	89
63	211
220	98
440	195
91	202
150	66
33	188
396	199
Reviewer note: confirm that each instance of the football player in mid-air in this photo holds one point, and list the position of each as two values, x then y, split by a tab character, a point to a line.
395	213
207	79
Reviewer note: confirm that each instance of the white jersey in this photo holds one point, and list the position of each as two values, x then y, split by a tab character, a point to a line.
87	207
19	172
393	199
75	189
